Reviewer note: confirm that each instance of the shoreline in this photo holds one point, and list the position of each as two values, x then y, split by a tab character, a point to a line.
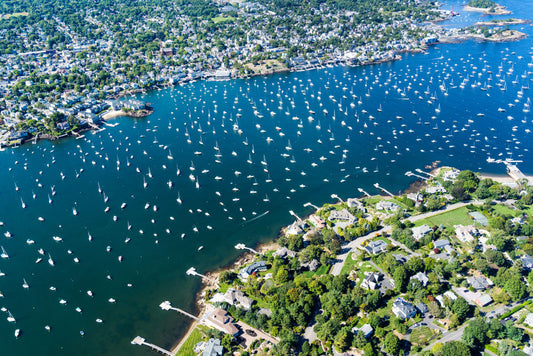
200	303
509	22
272	245
498	10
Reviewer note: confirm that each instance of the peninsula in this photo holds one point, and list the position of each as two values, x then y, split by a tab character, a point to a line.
488	7
442	271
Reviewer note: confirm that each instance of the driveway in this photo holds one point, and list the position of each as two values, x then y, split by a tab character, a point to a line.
256	334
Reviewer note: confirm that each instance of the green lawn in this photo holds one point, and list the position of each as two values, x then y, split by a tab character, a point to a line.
324	269
505	210
187	349
448	219
421	335
348	264
220	19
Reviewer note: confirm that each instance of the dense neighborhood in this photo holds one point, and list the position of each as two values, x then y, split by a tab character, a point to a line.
443	271
63	63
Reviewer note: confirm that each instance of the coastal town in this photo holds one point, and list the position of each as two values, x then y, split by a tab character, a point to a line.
62	71
446	270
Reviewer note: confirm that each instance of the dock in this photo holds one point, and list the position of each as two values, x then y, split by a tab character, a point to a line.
383	189
167	306
512	170
192	272
140	341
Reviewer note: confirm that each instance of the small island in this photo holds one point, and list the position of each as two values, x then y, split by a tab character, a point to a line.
503	22
488	7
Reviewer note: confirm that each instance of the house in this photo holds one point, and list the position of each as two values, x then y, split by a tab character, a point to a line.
435	189
451	174
296	228
440	244
480	283
372	281
403	309
376	246
344	215
421	231
422	278
213	348
253	268
355	203
238	298
366	330
63	126
317	221
386	205
527	262
416	197
422	308
466	234
284	252
221	320
311	266
483	300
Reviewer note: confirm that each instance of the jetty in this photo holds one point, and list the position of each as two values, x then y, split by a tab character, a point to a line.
167	306
364	192
383	189
411	174
192	272
140	341
242	246
512	169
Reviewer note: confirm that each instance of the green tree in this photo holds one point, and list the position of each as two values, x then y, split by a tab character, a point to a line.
400	278
515	287
461	308
391	344
455	348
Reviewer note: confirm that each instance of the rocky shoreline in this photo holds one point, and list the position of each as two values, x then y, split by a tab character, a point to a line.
498	10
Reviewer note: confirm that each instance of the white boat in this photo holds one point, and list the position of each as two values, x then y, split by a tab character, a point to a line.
51	261
10	317
74	211
123	205
25	284
17	333
4	253
89	293
57	238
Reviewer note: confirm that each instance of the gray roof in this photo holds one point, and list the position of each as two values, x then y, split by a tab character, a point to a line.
213	348
441	243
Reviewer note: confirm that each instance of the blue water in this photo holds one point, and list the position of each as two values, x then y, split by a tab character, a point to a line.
354	151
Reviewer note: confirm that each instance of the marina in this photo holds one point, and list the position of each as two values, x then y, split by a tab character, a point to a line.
250	151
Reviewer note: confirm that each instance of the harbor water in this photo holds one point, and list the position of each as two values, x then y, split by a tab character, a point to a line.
120	215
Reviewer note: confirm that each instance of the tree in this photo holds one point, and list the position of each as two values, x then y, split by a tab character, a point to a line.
515	287
455	348
461	308
400	278
391	344
474	334
343	339
513	332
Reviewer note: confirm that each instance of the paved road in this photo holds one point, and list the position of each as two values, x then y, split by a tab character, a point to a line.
357	243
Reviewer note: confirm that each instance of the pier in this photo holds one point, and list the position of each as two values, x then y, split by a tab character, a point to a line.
335	196
192	272
383	189
167	306
309	204
364	192
411	174
242	246
140	341
512	169
294	214
422	172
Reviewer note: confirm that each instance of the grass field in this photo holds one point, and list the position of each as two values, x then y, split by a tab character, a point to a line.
448	219
421	335
187	349
319	272
504	210
348	264
220	19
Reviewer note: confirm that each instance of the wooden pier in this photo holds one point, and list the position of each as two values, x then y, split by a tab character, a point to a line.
167	306
383	189
140	341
